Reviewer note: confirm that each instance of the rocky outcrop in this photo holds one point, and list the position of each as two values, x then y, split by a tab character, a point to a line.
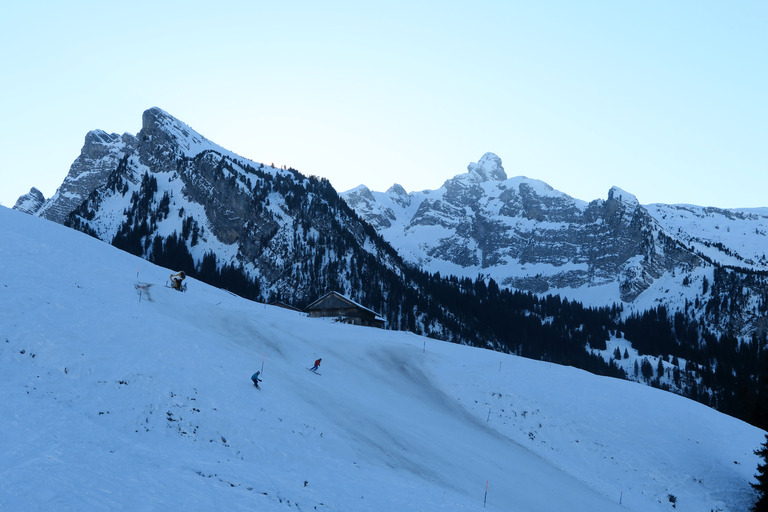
31	202
100	156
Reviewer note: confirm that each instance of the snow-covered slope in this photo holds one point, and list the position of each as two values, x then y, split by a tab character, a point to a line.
731	237
122	394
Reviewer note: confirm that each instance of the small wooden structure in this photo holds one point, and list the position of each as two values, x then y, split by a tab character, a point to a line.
334	304
284	306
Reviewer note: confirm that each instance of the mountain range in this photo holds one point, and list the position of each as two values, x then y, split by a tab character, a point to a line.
526	235
485	260
518	231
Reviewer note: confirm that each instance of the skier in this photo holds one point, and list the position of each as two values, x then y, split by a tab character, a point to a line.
255	378
317	364
176	280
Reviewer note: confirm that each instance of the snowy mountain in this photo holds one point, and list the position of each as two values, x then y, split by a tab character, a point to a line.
122	394
524	234
171	195
736	237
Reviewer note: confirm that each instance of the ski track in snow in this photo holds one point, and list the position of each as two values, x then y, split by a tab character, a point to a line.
122	394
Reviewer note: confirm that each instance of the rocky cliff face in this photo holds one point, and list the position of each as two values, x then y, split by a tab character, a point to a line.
526	235
162	141
98	158
31	202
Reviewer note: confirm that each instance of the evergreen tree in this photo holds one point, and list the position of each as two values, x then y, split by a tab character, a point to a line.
761	505
646	369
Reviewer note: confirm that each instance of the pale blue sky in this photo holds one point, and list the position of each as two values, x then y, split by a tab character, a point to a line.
665	99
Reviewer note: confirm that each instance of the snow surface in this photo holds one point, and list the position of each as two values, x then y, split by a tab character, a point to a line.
122	394
731	237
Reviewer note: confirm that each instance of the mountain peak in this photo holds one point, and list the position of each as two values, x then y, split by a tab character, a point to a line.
488	168
157	116
30	202
162	128
397	189
99	137
623	196
362	191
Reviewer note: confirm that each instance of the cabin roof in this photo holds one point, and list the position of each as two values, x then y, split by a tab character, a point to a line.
345	299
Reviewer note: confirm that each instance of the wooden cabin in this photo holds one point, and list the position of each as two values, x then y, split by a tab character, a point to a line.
334	304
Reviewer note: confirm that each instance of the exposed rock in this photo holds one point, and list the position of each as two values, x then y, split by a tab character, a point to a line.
99	157
487	168
30	202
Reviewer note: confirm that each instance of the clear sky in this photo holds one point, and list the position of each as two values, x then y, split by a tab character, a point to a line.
665	99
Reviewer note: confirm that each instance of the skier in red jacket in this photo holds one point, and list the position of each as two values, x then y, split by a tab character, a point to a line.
317	364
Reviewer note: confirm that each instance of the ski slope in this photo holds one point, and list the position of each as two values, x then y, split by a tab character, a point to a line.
121	394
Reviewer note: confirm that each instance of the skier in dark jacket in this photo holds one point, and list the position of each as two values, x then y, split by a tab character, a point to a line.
255	378
317	365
